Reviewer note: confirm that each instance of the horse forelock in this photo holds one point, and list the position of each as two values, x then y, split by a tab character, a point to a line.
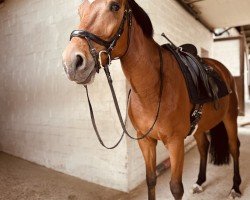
141	18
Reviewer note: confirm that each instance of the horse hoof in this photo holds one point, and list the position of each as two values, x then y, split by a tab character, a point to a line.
234	195
196	189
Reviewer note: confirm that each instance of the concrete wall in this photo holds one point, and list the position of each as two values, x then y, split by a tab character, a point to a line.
44	117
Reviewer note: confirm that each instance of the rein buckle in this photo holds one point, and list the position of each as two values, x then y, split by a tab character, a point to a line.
100	58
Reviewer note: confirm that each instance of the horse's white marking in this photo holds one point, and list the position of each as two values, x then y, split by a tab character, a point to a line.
234	195
196	189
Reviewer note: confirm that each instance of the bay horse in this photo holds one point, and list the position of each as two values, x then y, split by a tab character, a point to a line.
104	31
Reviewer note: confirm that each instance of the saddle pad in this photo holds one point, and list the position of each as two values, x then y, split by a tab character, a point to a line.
198	95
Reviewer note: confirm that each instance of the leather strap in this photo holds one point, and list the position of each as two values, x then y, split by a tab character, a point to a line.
85	34
106	69
95	126
195	118
110	44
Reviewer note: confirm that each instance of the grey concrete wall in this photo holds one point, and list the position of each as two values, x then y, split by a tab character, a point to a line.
44	117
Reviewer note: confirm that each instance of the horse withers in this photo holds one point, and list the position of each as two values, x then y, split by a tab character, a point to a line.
122	29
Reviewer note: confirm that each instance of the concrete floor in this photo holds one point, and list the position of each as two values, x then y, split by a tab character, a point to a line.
22	180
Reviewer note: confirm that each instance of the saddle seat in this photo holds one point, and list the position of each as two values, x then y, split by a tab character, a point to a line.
203	82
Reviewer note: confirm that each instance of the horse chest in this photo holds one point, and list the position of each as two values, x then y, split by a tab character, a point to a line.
143	117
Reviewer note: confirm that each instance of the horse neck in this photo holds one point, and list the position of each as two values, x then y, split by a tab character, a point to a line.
141	64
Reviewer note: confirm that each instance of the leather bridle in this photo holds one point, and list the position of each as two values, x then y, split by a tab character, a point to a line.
97	56
110	44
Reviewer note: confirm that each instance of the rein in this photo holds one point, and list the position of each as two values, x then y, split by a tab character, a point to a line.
110	81
109	45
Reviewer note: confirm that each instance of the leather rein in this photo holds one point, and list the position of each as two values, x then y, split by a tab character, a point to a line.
109	45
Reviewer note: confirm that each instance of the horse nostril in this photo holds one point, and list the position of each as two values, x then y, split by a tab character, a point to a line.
79	61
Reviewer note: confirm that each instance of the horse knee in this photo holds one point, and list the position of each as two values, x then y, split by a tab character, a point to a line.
151	181
177	190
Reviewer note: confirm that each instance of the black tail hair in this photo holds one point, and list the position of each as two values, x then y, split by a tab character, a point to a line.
219	147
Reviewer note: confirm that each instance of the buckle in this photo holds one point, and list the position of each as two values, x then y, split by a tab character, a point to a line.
100	57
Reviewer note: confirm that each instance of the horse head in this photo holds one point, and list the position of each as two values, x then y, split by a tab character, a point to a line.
100	37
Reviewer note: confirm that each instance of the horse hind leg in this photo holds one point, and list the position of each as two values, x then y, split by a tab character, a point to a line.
203	146
224	139
230	121
234	145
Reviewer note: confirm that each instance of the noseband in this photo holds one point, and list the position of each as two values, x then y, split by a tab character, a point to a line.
109	45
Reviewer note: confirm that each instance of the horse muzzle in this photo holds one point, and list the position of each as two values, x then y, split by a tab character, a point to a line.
77	67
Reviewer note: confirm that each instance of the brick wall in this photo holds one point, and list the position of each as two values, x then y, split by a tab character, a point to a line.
44	117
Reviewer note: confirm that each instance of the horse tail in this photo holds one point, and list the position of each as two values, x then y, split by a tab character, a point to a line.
219	147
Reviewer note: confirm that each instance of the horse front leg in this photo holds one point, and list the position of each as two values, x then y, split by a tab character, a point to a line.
176	150
148	148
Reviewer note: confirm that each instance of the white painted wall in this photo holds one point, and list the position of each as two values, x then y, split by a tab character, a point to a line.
44	117
228	53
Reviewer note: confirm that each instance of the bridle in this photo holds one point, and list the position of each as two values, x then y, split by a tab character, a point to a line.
97	56
110	44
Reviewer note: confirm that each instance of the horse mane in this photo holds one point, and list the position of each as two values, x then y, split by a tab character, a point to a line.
142	19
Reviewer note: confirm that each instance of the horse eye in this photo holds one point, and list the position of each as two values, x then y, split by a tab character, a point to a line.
114	7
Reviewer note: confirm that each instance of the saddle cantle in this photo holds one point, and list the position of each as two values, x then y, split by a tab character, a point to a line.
190	48
203	82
